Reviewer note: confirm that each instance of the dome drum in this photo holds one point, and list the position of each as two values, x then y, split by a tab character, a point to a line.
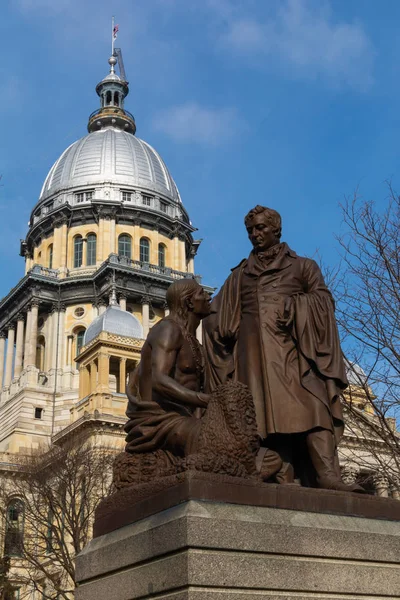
114	117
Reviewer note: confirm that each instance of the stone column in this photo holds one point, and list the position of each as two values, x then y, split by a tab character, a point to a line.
9	355
84	381
113	241
190	266
382	485
70	339
95	309
2	350
100	240
104	372
53	337
122	375
64	243
93	377
61	338
27	336
102	306
395	488
33	333
166	310
84	252
122	301
145	315
19	350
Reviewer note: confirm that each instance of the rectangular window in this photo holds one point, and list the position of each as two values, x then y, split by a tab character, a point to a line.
126	196
81	197
163	207
146	200
38	413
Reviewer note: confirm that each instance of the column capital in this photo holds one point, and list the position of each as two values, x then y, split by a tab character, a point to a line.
10	326
70	336
54	308
3	334
123	359
380	480
122	296
165	306
145	300
62	307
20	317
349	474
34	302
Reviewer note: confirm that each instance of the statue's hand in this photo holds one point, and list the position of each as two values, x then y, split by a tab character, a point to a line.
286	320
204	399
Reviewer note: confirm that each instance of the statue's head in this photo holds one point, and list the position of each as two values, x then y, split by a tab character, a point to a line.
186	296
264	227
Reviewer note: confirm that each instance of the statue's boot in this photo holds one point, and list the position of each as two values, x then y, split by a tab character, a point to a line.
322	452
268	463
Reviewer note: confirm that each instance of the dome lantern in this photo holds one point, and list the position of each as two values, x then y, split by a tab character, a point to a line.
112	91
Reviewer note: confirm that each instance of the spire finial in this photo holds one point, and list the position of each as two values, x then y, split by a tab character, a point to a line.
113	90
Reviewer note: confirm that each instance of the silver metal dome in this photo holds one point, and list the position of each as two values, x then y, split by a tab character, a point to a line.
114	320
355	374
113	156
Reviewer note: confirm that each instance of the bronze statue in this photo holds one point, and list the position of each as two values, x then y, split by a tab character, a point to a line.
173	425
167	387
272	327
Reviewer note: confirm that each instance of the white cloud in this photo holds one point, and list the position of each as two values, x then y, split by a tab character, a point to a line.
303	38
193	123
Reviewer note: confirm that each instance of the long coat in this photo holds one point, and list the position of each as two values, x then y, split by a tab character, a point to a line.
272	327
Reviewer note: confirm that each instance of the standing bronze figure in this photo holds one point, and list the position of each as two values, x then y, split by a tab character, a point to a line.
272	327
173	425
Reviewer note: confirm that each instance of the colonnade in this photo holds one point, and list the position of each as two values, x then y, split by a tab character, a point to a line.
22	336
383	487
95	376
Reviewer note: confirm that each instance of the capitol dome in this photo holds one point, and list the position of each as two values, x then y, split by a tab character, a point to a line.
114	156
116	321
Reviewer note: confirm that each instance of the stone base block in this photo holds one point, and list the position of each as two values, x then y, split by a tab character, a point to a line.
206	550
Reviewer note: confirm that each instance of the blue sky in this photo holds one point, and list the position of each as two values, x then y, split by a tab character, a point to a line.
289	103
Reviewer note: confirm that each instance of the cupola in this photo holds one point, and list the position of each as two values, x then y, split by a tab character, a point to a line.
112	91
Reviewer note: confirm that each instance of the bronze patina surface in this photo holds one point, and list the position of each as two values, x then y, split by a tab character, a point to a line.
272	327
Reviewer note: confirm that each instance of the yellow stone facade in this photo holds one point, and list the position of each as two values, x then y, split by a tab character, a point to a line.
57	250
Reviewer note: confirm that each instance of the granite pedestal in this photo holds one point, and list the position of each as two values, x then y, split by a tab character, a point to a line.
207	548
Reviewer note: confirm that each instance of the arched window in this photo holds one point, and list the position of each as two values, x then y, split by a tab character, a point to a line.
79	340
14	534
108	98
78	251
144	250
125	245
161	255
79	335
116	99
50	256
91	249
40	353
